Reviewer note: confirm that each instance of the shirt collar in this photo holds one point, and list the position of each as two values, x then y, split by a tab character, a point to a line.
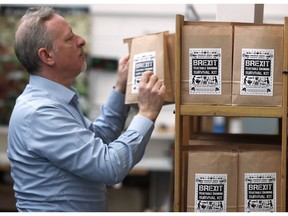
55	89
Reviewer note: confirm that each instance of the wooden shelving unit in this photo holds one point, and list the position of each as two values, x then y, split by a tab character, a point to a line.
187	120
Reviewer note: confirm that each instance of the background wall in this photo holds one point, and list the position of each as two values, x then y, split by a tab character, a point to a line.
112	23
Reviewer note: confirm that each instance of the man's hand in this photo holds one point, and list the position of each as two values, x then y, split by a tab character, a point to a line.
151	95
122	74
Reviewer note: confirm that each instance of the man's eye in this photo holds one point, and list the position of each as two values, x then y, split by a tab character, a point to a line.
70	38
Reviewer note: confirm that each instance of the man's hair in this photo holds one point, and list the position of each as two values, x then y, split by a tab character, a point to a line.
32	36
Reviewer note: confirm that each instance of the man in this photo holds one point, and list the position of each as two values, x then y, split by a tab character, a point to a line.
60	161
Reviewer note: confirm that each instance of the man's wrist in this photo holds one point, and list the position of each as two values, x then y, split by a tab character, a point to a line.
120	89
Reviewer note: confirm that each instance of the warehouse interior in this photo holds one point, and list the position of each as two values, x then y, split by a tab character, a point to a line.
150	185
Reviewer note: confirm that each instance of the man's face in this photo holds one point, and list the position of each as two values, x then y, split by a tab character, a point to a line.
69	55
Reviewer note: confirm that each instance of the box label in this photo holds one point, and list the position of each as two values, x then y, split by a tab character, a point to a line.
205	71
260	192
210	192
142	62
257	72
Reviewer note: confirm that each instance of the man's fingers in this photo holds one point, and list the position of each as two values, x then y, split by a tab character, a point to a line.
158	85
146	76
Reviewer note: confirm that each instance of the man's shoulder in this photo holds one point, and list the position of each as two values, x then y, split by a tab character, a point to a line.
36	99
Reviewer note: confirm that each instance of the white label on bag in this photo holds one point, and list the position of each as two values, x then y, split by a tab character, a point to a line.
260	192
210	192
205	71
142	62
257	72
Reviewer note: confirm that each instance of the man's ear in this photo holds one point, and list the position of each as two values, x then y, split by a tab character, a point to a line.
46	56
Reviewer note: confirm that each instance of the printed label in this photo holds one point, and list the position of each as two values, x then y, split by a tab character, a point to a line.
142	62
205	71
260	192
210	192
257	72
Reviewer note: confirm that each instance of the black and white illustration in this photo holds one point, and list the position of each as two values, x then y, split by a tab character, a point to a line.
260	192
142	62
205	71
257	72
210	192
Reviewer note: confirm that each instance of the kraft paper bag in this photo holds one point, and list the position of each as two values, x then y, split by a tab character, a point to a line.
206	73
258	171
259	187
257	66
148	52
128	41
212	176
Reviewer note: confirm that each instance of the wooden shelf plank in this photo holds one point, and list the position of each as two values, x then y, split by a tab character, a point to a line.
235	111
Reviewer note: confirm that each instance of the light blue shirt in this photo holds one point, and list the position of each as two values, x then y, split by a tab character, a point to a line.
61	161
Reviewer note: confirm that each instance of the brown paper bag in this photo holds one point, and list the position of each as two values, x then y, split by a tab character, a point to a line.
148	52
206	64
257	66
212	176
128	41
258	173
259	187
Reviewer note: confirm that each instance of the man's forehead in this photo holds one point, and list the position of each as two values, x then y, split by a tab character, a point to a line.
56	20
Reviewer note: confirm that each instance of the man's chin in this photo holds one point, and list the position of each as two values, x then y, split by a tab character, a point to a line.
84	67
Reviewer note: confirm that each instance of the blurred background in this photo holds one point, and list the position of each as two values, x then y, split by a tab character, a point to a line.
149	187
